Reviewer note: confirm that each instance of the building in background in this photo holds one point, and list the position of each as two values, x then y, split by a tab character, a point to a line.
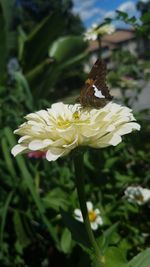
121	39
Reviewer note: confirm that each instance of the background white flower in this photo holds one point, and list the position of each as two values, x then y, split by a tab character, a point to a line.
60	129
95	30
128	83
94	216
137	194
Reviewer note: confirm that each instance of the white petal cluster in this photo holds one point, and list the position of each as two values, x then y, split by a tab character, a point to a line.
137	194
93	32
60	129
94	216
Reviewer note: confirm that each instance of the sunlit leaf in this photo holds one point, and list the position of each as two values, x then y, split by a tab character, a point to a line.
66	241
141	260
114	257
21	234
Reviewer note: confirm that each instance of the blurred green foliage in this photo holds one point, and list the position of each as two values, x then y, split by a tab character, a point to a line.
42	53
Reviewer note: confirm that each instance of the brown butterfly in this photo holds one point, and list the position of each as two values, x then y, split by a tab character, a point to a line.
95	92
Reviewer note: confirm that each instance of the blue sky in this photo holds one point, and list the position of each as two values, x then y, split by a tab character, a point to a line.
94	11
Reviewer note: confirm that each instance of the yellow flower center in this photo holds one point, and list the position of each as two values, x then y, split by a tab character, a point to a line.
139	198
64	123
76	115
92	215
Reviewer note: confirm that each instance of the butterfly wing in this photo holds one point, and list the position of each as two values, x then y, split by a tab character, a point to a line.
98	67
96	79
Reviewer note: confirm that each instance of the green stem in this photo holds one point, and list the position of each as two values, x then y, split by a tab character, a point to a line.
79	173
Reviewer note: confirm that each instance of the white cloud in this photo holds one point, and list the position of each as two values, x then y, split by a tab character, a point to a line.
80	6
88	10
128	7
85	14
110	14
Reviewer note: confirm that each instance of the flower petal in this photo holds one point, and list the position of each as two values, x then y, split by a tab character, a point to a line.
60	129
36	145
89	205
99	220
18	149
23	138
128	127
77	212
97	211
115	140
54	153
94	226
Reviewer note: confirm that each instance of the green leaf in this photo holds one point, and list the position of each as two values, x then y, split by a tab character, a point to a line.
114	257
56	199
132	20
29	182
21	80
23	238
8	159
95	263
66	241
73	61
146	17
76	228
37	43
141	260
3	52
21	41
8	9
67	51
66	48
110	162
4	215
38	70
107	236
121	15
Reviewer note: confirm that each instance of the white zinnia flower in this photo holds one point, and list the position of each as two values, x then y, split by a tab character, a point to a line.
137	194
60	129
94	216
95	30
